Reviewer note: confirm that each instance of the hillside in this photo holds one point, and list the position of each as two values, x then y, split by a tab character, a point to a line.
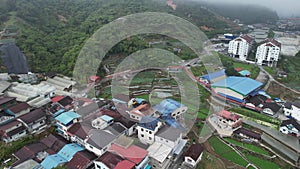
52	32
247	14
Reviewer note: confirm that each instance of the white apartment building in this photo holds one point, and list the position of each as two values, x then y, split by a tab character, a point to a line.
268	53
240	47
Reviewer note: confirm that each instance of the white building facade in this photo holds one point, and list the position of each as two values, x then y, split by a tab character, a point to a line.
240	47
268	53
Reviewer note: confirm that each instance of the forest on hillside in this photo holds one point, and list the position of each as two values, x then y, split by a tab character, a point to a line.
51	33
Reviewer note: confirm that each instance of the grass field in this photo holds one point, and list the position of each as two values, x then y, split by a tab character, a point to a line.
250	147
262	163
226	152
250	67
209	161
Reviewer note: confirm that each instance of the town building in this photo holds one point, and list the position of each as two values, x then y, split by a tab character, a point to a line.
35	121
147	128
236	88
142	110
112	161
240	47
102	122
81	160
292	109
32	151
62	157
291	127
170	107
160	155
12	131
229	119
132	153
171	137
64	121
193	155
267	53
250	135
213	77
99	141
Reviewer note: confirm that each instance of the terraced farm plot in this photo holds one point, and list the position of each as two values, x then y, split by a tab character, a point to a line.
250	147
226	152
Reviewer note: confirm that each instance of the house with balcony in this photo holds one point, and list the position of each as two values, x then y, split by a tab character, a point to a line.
290	127
65	121
171	137
160	155
99	141
193	155
292	110
170	107
35	121
267	53
240	47
12	131
229	119
147	128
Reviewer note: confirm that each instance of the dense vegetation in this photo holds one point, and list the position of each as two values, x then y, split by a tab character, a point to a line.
52	32
248	14
291	66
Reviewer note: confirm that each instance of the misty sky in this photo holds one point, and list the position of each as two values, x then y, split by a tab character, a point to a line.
282	7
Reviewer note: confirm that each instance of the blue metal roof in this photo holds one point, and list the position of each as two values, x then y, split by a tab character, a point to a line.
213	75
106	118
244	73
172	122
148	122
167	106
69	150
139	100
242	85
52	161
58	112
67	117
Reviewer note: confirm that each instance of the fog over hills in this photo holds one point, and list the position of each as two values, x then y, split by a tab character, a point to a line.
284	8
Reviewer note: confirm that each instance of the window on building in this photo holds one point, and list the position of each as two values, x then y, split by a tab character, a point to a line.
142	129
150	132
150	138
142	135
91	147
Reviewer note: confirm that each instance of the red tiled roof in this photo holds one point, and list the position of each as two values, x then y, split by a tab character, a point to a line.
111	113
247	38
194	151
80	160
19	107
56	99
132	153
79	130
125	165
228	115
271	42
238	69
110	159
94	78
33	116
6	99
9	125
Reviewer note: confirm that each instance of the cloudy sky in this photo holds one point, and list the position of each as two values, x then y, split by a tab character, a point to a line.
283	7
